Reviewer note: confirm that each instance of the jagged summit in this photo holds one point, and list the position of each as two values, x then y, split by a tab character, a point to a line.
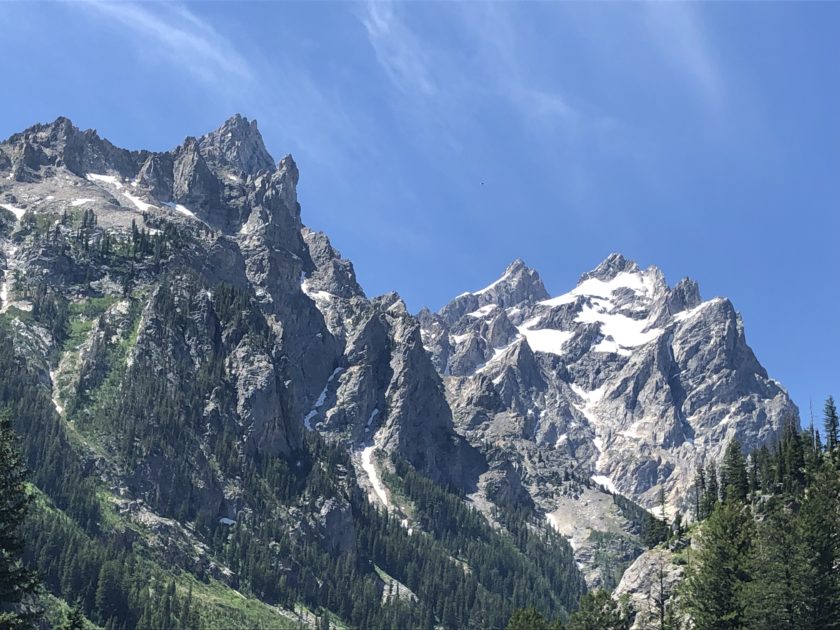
39	150
519	283
634	379
203	179
61	126
237	145
235	149
612	265
513	273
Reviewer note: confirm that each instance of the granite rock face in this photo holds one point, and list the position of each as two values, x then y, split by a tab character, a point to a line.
386	390
623	380
236	149
326	357
651	581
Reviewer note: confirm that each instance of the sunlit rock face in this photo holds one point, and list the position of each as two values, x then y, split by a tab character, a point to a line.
623	380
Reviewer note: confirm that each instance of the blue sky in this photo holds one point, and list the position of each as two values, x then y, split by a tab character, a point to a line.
438	141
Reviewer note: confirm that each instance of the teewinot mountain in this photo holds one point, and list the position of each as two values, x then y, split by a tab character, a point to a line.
210	407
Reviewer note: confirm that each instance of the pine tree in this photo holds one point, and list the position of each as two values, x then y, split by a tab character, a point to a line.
713	588
765	469
599	611
109	593
17	585
831	423
818	552
75	619
770	597
752	467
527	619
712	496
699	493
733	476
793	454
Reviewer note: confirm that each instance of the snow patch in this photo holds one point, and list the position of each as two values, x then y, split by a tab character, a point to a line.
545	340
590	401
590	397
227	521
318	296
497	352
108	179
18	212
322	296
321	400
458	339
639	282
605	288
609	346
55	400
603	480
139	203
620	332
566	298
483	311
177	207
80	202
373	475
684	315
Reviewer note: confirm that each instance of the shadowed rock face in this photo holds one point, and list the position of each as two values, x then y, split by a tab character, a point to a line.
623	379
386	391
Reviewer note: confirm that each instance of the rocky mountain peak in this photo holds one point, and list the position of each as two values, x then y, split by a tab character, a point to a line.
612	265
60	128
633	380
519	283
687	293
238	146
38	150
331	273
517	265
289	166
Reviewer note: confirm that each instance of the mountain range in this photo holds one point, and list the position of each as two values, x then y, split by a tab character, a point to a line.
217	379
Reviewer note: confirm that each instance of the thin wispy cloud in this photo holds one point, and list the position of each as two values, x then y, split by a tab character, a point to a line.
419	68
497	42
181	37
676	29
399	51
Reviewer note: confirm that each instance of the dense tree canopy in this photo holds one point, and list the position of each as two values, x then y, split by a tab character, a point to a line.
17	584
769	543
